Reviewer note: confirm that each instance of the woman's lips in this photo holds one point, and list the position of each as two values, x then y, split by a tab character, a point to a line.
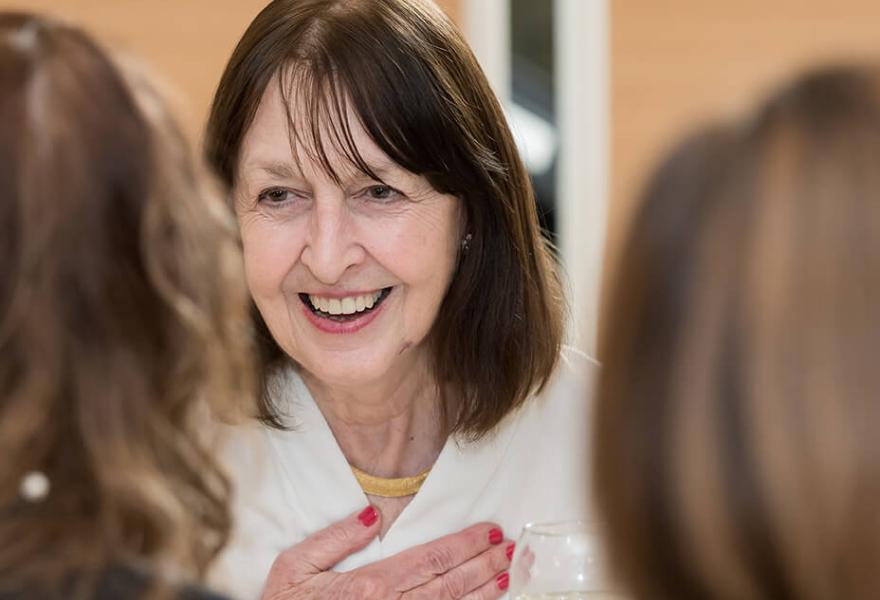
343	315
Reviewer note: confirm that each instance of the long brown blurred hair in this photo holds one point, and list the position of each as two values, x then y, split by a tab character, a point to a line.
122	312
737	425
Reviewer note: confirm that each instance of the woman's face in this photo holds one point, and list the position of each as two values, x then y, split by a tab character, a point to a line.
348	276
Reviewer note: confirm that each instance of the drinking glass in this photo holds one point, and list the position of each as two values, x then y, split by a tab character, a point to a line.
559	561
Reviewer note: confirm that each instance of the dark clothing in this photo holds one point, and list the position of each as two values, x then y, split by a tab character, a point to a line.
118	583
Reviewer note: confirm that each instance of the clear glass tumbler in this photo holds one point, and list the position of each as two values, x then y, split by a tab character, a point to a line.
559	561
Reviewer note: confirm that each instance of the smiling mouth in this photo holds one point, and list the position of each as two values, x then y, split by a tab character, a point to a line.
346	309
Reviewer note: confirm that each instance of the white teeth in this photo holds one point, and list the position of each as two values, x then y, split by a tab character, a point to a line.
345	306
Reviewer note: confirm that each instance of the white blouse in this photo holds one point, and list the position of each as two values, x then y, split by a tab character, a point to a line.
290	484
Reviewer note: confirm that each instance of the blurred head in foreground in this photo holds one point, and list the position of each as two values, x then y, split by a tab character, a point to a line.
737	449
122	308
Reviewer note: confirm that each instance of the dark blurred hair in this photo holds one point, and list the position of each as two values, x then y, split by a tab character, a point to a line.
420	94
122	306
739	406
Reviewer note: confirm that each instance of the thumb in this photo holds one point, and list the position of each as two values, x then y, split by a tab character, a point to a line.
321	551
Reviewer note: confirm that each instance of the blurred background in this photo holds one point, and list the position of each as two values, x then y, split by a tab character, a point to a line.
594	90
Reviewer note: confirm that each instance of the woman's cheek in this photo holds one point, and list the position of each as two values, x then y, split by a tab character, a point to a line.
271	251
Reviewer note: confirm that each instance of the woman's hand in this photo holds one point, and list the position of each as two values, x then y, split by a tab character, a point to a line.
470	564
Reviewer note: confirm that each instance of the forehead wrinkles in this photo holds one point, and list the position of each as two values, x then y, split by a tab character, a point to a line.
320	121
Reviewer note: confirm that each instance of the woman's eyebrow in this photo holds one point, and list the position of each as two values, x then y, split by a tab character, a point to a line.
383	170
278	170
285	170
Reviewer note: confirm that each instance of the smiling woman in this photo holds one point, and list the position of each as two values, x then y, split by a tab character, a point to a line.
411	312
323	229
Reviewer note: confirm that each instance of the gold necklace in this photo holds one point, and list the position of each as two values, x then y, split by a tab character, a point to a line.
390	487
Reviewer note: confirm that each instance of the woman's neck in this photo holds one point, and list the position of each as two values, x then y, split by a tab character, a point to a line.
390	428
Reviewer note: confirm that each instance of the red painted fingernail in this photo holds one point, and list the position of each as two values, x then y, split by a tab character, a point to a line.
503	581
509	551
368	516
495	536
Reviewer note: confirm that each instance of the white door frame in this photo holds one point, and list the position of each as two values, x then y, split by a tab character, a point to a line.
583	115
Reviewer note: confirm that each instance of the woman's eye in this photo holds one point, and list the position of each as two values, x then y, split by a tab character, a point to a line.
382	193
276	195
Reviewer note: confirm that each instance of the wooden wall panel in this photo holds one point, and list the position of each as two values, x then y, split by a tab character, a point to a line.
186	42
453	9
676	63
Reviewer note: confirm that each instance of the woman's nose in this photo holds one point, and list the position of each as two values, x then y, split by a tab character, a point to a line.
331	246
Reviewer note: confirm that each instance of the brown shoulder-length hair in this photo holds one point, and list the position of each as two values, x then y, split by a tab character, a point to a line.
420	94
736	434
123	310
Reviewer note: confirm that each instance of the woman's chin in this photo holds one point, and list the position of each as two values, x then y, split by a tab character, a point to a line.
356	368
340	371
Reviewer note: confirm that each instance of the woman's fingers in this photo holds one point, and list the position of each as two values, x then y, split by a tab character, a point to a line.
322	550
467	562
420	565
492	589
481	577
